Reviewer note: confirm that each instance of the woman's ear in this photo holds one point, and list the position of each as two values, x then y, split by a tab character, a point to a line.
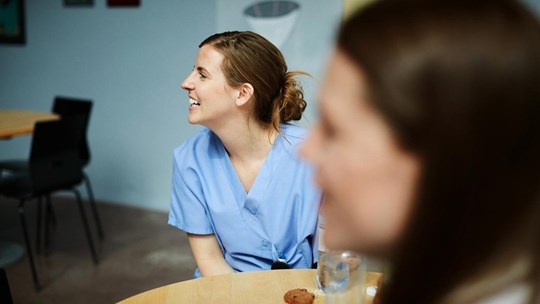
245	92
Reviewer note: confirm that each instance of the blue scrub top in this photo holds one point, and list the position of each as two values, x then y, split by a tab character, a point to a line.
276	219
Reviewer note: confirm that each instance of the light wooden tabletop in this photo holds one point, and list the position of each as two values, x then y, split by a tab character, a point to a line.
258	287
19	122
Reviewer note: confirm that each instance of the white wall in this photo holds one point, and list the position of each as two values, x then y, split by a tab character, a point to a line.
130	62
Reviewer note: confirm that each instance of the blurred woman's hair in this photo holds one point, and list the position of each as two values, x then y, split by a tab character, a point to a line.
459	84
251	58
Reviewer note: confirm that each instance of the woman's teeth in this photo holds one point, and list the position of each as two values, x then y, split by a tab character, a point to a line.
193	102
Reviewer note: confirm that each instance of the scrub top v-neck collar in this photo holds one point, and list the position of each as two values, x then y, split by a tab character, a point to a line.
258	189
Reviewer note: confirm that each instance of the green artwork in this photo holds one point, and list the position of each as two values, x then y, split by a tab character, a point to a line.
11	21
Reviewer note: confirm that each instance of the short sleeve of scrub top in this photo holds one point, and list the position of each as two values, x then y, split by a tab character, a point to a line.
277	218
191	214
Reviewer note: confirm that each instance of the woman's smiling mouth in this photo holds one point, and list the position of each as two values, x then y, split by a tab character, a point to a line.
193	103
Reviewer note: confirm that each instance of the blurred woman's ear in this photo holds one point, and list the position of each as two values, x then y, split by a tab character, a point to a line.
245	94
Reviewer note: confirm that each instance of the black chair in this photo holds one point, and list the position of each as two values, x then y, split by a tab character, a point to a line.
54	165
5	293
69	107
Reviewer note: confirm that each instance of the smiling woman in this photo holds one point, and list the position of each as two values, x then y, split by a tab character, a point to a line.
240	191
210	98
368	179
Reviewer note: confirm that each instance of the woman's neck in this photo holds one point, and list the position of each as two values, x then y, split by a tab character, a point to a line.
246	142
248	145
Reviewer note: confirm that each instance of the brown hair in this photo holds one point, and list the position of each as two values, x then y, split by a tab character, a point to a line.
250	58
458	83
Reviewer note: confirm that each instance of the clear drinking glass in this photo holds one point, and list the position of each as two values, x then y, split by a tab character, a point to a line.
341	277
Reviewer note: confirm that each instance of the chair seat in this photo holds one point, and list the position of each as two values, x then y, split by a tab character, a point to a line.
15	178
21	164
16	183
15	164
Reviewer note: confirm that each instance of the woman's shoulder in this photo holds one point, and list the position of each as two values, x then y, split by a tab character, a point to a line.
293	133
192	146
517	293
507	285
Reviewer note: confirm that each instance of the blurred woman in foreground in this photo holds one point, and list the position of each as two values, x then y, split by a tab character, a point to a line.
428	148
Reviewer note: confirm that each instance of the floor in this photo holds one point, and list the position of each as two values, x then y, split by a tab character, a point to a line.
139	252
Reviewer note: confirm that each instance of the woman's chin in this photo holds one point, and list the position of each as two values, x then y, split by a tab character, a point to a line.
193	119
335	239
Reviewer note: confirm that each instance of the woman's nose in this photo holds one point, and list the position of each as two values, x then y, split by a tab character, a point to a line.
187	84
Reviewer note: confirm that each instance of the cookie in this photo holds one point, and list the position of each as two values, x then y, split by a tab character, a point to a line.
299	296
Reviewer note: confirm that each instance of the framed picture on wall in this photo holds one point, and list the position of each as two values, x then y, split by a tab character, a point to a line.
12	25
119	3
78	2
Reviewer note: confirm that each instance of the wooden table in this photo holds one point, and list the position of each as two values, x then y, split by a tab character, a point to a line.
258	287
19	122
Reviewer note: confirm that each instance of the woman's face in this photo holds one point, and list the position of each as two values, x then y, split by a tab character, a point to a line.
211	98
368	181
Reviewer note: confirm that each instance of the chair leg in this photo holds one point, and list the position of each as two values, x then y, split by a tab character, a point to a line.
5	292
86	227
49	220
39	225
20	209
51	211
93	206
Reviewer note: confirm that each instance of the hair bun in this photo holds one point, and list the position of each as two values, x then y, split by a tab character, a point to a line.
290	103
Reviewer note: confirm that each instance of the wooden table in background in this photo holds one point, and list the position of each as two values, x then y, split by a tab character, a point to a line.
258	287
19	122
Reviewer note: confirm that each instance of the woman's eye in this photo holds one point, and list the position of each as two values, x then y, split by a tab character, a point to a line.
202	77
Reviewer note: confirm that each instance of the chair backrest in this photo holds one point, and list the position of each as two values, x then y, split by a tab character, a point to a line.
5	293
54	158
69	106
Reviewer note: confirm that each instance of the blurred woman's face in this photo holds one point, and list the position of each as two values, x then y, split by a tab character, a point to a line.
367	179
